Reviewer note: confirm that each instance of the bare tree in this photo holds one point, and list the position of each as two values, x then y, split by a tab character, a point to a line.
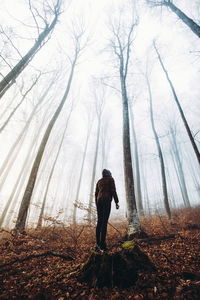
10	78
195	148
180	14
121	46
21	219
161	159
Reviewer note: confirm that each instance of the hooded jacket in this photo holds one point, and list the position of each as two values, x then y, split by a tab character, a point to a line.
105	187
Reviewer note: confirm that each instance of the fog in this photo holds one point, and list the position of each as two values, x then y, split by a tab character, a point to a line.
95	81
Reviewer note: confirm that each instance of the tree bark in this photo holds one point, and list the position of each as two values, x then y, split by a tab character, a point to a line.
162	165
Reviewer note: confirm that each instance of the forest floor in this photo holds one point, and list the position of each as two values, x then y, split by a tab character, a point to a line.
43	264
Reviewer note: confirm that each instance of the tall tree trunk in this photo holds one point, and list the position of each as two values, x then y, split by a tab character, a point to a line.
177	175
146	194
121	48
81	175
172	195
21	219
193	173
180	14
39	224
20	66
132	214
188	21
162	165
195	148
180	169
94	171
137	168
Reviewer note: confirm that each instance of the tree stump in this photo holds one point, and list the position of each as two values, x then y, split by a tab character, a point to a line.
117	269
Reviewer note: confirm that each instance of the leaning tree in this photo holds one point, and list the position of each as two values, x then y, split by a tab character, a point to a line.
43	36
22	215
179	13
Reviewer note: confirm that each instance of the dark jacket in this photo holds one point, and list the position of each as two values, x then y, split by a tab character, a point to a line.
105	188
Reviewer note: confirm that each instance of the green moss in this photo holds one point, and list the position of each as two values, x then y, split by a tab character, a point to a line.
128	245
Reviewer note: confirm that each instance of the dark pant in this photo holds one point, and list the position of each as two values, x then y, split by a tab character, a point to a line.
103	213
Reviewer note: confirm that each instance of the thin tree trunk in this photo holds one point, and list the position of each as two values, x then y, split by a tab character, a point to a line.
21	177
94	171
13	153
195	148
162	165
193	174
9	161
177	175
172	197
9	104
180	169
23	133
81	175
19	182
180	14
18	105
188	21
39	224
137	168
146	194
21	219
20	66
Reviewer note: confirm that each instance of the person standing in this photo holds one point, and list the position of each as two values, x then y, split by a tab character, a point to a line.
105	191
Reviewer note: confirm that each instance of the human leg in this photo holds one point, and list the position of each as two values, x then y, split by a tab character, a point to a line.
99	222
105	217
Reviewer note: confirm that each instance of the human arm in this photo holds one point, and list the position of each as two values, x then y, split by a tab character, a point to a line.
96	193
114	193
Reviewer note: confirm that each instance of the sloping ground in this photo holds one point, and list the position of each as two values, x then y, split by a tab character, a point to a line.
45	264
